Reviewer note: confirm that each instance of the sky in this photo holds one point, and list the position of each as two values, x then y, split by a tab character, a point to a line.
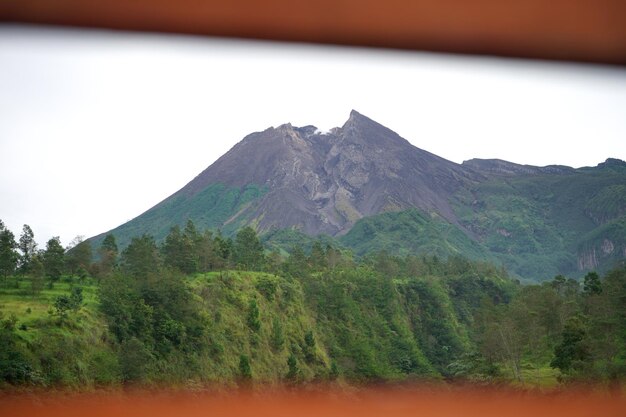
96	127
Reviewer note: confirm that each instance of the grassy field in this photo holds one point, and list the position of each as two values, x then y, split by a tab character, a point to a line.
34	310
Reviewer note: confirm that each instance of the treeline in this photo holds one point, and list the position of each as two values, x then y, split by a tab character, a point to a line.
202	308
187	250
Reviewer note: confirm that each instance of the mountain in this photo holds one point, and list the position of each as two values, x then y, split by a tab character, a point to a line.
369	189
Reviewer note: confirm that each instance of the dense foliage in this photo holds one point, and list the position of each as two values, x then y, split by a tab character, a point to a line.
201	308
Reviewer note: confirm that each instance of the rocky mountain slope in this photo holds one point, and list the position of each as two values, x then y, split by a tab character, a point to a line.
324	182
536	221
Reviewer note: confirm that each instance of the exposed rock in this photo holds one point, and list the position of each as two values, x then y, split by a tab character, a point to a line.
324	182
504	232
607	247
587	260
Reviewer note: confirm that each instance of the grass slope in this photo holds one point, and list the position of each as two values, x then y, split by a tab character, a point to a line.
353	324
411	232
215	207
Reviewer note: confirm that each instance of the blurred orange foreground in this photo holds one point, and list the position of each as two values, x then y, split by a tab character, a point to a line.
439	402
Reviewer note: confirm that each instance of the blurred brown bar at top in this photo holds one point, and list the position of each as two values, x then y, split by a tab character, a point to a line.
576	30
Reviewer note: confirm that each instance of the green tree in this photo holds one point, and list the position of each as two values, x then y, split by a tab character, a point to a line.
334	370
8	254
126	312
191	245
565	287
318	256
54	259
109	244
28	247
500	336
108	255
248	250
273	262
386	264
76	298
141	257
571	352
207	250
309	347
277	337
78	256
293	372
135	360
62	305
173	248
179	249
297	264
592	284
224	250
333	257
37	274
245	370
253	316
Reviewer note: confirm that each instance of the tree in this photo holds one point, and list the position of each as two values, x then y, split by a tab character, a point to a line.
179	249
592	284
571	351
135	360
79	255
245	371
28	247
141	257
109	244
76	298
128	316
333	257
54	259
565	287
501	338
208	257
253	316
248	251
37	274
277	338
224	250
108	254
297	264
318	256
64	303
309	346
173	247
191	243
293	373
334	370
8	254
273	262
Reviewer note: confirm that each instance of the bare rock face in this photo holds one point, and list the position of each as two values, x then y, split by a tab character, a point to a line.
325	182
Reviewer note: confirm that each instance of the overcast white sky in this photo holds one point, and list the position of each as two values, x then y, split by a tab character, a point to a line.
97	127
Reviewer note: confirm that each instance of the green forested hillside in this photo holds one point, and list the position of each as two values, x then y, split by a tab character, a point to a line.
542	225
206	310
537	225
411	232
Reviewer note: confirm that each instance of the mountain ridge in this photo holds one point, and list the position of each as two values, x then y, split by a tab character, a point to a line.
300	178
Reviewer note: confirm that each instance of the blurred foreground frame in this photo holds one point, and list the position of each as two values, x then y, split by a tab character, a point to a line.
592	31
